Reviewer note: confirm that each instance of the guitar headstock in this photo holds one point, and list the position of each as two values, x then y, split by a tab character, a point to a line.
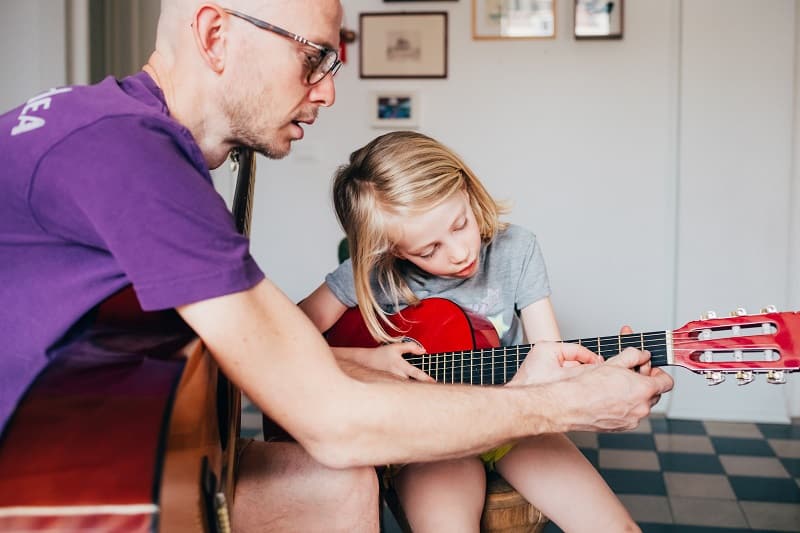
766	343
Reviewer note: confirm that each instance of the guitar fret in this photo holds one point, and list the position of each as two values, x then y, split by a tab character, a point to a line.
492	351
505	359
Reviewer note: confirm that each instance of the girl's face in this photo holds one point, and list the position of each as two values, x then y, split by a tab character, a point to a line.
445	241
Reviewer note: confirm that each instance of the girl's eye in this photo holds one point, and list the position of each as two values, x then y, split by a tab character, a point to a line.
462	225
429	254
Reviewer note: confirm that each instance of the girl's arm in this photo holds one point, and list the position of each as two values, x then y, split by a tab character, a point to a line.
539	322
323	307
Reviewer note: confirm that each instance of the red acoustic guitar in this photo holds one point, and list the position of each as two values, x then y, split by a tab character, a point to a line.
464	347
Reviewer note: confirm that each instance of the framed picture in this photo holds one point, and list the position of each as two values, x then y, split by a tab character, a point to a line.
399	109
598	19
403	45
513	19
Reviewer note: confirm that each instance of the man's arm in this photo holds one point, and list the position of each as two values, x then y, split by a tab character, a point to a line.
271	350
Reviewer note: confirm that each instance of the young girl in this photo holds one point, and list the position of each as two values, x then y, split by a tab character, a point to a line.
419	224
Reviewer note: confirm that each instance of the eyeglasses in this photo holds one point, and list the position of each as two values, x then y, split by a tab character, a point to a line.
327	62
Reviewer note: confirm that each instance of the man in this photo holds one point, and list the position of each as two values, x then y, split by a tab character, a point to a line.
108	186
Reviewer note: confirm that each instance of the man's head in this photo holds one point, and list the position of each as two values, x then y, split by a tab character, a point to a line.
237	78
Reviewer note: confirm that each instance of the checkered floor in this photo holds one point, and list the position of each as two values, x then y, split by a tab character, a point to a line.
689	476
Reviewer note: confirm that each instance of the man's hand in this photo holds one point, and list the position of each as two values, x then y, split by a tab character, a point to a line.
609	397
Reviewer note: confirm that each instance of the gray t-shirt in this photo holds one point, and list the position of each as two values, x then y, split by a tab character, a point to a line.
512	276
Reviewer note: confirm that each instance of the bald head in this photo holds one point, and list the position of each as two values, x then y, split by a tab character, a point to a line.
177	16
232	81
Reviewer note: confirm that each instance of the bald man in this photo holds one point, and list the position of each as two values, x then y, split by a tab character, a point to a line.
108	185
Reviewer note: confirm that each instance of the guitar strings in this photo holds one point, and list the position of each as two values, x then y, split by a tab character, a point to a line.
601	344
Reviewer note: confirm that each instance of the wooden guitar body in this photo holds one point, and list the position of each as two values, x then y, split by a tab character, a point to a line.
112	435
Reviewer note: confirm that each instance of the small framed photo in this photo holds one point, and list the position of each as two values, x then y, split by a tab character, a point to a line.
403	45
598	19
513	19
397	110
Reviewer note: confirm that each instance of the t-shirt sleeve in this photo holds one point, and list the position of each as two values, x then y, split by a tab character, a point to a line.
340	282
533	281
139	198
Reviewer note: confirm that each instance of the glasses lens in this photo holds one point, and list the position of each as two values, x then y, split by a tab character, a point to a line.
329	62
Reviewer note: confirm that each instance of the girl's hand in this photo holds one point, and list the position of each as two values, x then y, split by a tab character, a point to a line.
389	358
553	361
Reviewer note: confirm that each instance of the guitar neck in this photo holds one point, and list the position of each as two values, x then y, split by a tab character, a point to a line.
496	366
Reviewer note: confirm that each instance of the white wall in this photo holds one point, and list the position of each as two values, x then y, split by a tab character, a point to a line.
735	180
656	170
31	61
660	172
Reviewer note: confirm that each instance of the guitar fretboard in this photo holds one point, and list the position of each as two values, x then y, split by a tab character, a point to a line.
496	366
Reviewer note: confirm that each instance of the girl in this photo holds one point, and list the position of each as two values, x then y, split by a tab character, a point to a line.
420	224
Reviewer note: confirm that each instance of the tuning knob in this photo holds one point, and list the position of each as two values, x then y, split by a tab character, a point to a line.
776	377
714	377
740	311
708	315
769	309
743	377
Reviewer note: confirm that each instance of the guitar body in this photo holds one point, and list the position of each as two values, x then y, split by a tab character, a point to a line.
112	435
437	324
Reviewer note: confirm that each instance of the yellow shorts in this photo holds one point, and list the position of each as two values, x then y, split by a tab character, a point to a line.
489	459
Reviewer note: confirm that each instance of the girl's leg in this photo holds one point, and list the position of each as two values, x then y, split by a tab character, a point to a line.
551	473
443	496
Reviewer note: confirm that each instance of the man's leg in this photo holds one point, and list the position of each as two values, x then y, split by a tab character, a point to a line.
281	488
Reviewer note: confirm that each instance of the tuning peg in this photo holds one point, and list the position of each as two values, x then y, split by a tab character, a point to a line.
714	377
769	309
740	311
708	315
743	377
776	377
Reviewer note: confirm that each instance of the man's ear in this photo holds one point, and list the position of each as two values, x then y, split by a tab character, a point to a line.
210	28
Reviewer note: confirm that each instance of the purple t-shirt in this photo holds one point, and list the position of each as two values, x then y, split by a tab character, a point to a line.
100	189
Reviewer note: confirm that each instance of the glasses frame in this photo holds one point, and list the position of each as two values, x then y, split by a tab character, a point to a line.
323	50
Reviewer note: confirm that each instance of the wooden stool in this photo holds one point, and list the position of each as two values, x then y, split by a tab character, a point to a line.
504	511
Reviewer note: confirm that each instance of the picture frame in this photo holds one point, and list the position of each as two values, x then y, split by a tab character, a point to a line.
394	109
599	19
403	44
513	19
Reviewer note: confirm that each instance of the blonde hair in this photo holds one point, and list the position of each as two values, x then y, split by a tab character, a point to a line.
396	175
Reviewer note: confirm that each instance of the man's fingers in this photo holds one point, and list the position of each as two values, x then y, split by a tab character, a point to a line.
664	381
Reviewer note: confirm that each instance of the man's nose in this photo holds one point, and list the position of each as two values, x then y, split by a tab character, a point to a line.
324	92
